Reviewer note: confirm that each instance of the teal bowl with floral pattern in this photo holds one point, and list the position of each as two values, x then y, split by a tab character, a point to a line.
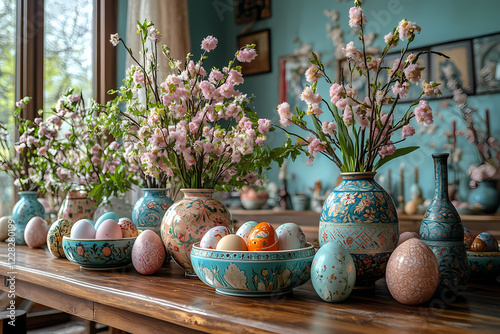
97	254
253	274
484	267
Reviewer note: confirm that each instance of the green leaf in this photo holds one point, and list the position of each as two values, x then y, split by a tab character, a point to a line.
398	153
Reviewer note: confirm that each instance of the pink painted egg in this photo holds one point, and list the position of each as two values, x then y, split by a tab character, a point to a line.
212	237
109	229
129	230
412	273
148	253
407	236
35	233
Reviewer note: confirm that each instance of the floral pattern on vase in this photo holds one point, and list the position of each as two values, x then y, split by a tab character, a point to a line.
361	216
26	208
187	220
149	210
76	206
485	198
441	229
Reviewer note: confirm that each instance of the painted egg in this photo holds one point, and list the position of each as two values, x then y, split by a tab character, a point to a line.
290	236
333	273
468	238
4	228
412	273
108	229
148	253
263	237
35	233
245	229
59	229
129	230
232	242
107	215
484	242
212	237
407	236
83	229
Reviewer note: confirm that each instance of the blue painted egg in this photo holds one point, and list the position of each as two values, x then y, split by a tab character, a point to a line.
106	216
333	273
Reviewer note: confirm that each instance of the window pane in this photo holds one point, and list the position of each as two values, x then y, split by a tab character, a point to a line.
7	89
68	49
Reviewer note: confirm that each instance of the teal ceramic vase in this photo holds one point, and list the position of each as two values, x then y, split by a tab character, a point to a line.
361	216
187	221
26	208
485	198
148	211
442	231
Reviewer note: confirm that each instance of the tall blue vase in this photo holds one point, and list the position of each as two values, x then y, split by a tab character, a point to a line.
442	231
26	208
361	216
148	211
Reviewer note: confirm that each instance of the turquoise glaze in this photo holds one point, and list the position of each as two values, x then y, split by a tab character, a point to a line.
253	274
148	211
99	254
361	216
441	229
484	266
26	208
485	198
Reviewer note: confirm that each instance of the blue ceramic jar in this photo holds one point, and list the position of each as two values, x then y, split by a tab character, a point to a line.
26	208
148	211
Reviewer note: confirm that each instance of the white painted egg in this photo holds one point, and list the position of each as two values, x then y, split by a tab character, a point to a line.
333	273
128	228
148	253
83	229
35	233
212	237
59	229
106	216
4	228
290	236
245	229
108	229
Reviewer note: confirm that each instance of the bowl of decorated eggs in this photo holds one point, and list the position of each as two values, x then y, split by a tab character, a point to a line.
484	256
103	245
256	261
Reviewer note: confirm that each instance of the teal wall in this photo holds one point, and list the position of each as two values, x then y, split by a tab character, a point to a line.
441	21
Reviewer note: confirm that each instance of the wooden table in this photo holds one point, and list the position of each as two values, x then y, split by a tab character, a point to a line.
168	302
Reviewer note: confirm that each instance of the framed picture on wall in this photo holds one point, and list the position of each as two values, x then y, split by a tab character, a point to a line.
455	72
487	63
261	63
251	10
291	77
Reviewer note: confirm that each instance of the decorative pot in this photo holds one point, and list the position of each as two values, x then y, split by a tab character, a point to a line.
442	231
76	206
26	208
114	204
148	211
485	198
300	202
187	220
361	216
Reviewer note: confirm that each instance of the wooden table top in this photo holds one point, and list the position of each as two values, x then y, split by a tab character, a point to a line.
167	301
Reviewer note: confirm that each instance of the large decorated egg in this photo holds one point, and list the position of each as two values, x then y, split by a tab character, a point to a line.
148	253
212	237
290	236
35	233
59	229
245	229
412	273
263	237
333	273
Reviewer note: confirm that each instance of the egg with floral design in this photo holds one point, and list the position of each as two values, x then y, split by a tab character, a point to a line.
129	230
148	253
59	229
290	236
213	236
263	237
333	273
245	229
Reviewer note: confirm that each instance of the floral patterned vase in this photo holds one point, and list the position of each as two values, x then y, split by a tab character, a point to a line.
361	216
148	211
26	208
485	198
187	220
442	231
76	206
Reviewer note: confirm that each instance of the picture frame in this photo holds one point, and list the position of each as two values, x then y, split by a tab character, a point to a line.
261	63
487	63
291	77
251	10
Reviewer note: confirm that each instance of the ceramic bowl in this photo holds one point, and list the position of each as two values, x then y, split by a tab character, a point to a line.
253	204
484	266
253	274
99	254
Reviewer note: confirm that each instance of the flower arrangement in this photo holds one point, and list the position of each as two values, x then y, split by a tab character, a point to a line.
192	126
360	128
27	168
